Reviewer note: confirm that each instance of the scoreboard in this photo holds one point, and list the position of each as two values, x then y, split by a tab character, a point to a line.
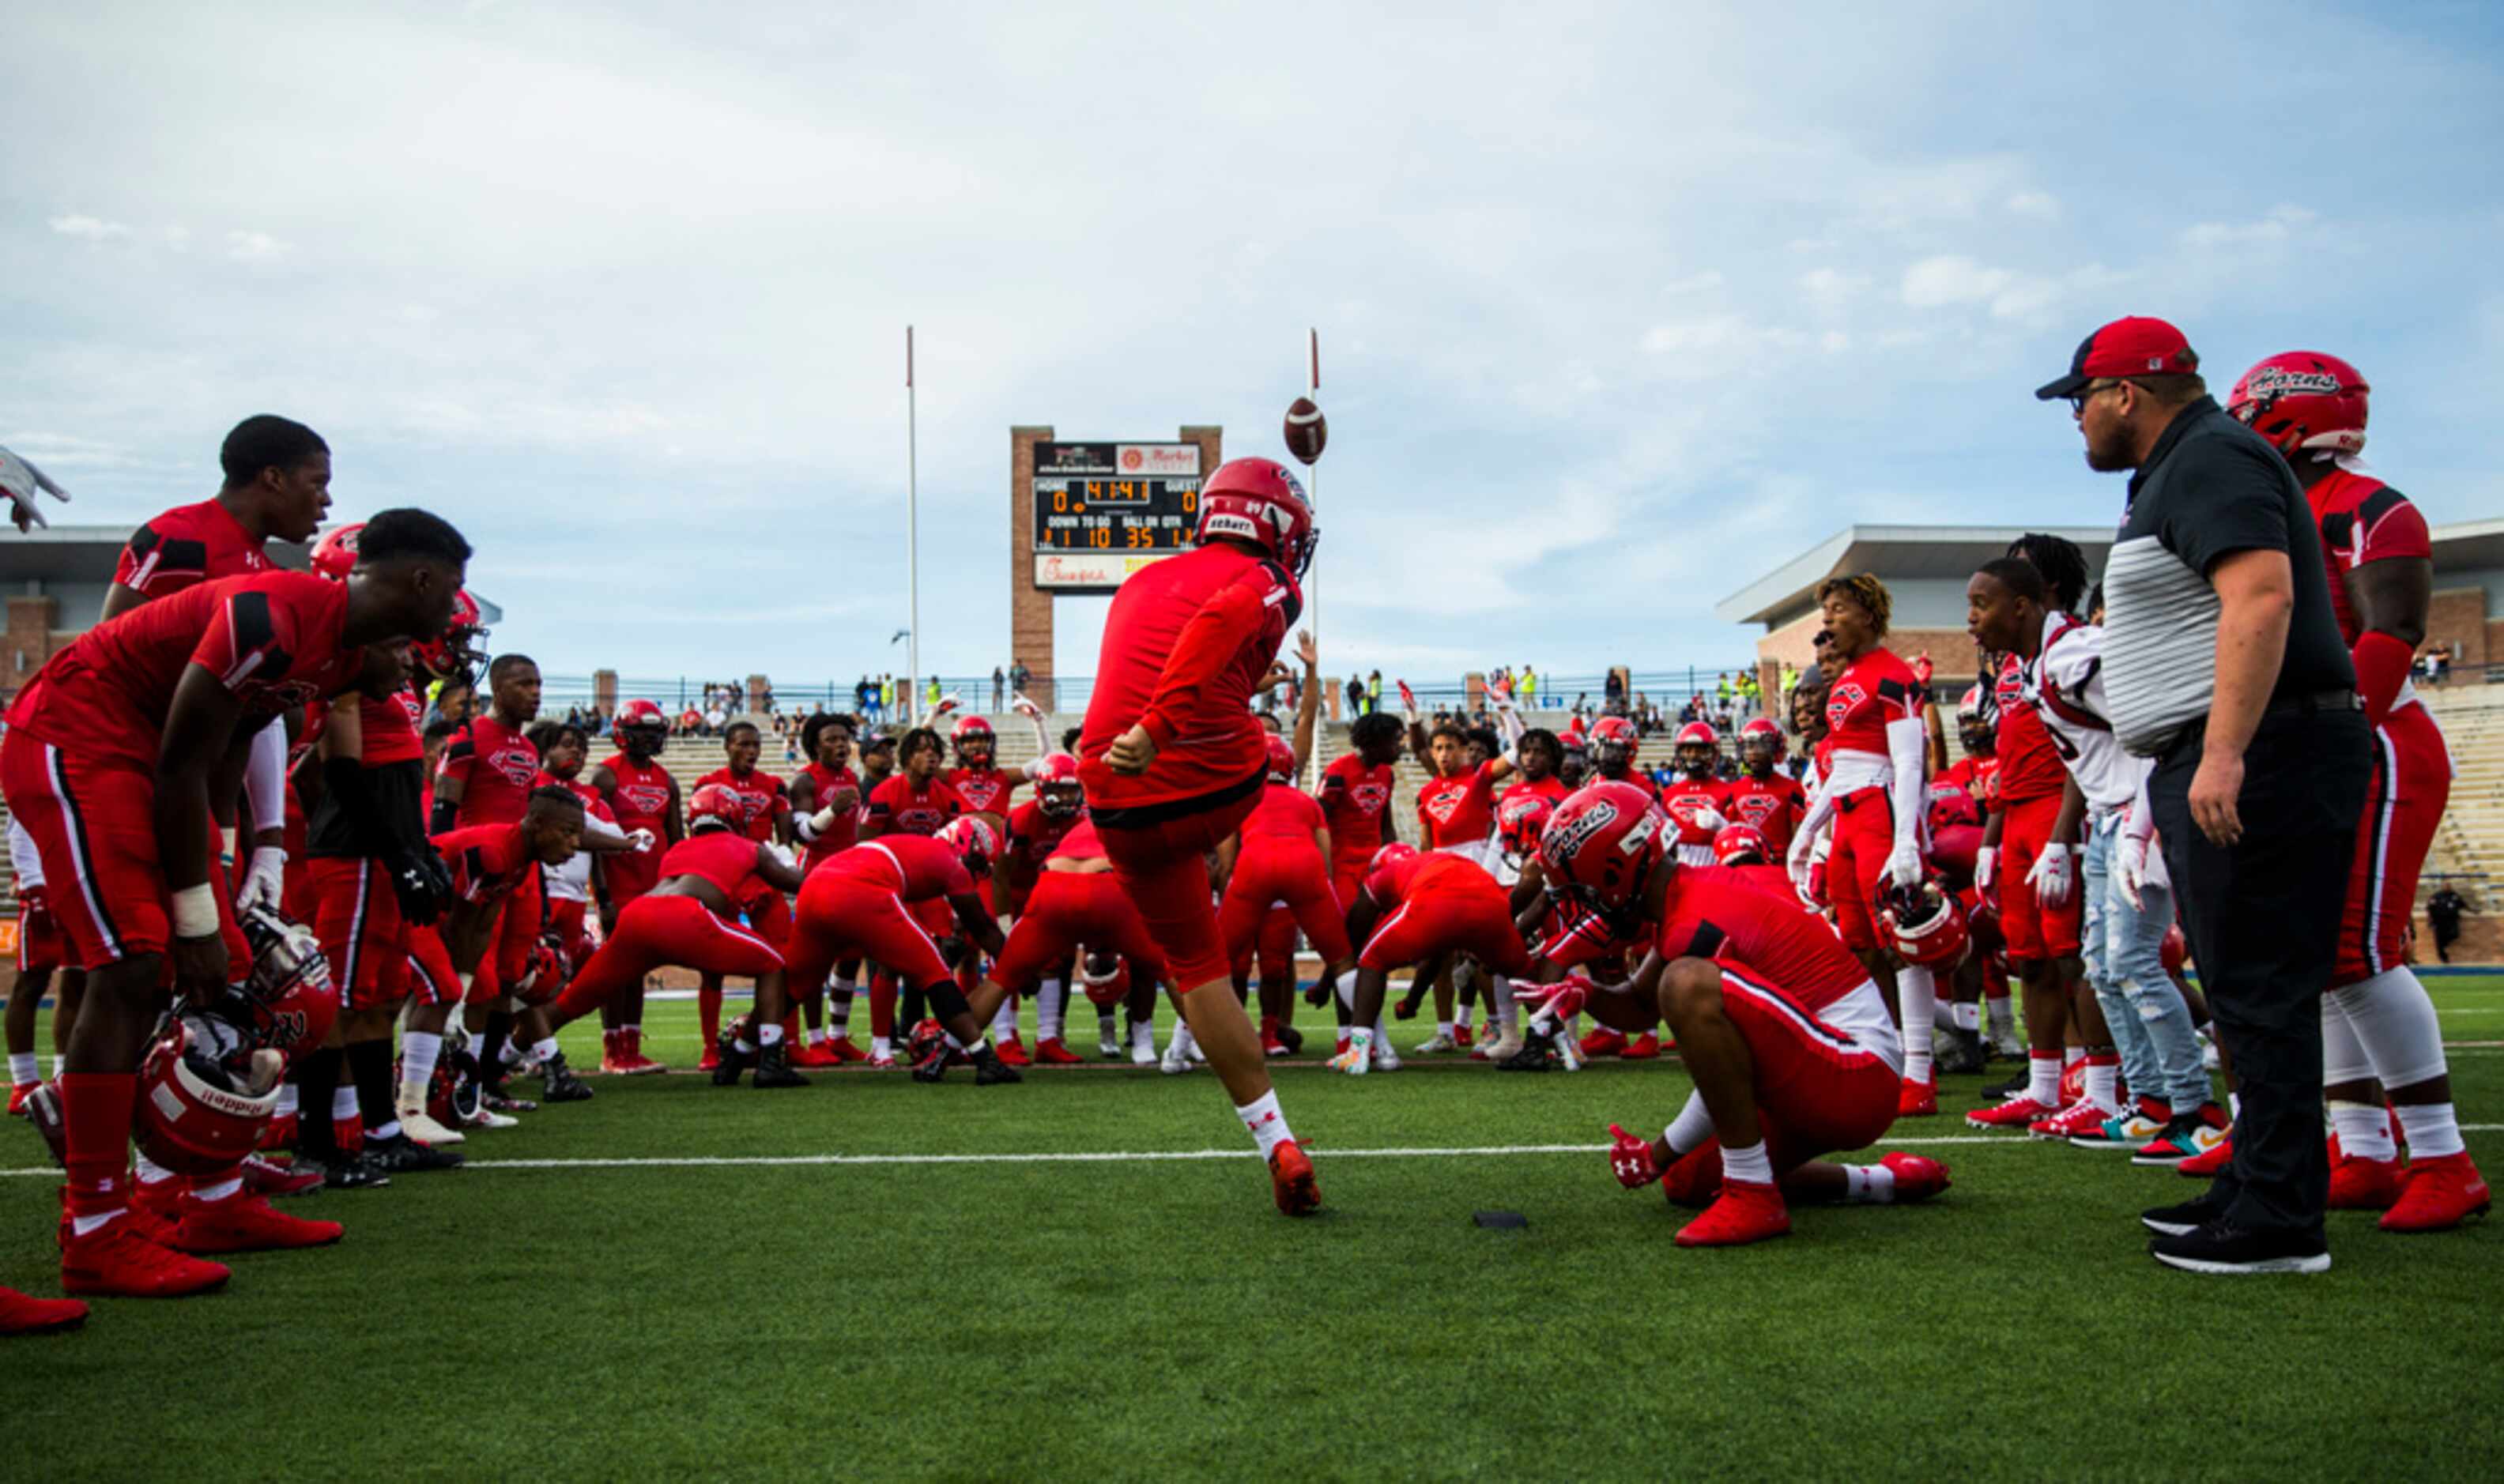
1114	500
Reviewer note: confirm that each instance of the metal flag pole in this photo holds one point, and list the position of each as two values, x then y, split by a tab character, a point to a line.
1312	583
912	536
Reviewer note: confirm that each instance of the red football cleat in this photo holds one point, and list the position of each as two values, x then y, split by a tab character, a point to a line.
117	1261
844	1051
247	1224
2364	1185
1631	1159
1270	1045
2016	1113
2073	1083
1917	1176
2206	1167
881	1063
17	1094
1745	1213
1052	1052
815	1056
2440	1194
26	1314
1643	1048
1917	1099
613	1053
268	1177
636	1064
280	1134
348	1134
1695	1178
2081	1118
1603	1042
1462	1037
1291	1180
1012	1051
711	1059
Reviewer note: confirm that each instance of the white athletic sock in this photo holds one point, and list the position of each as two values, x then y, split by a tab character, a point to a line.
1143	1037
1267	1125
2431	1129
387	1132
1005	1024
150	1171
2234	1106
745	1046
1107	1025
770	1033
1508	1010
1690	1128
344	1105
287	1099
2072	1056
1869	1185
1750	1165
546	1050
82	1224
1444	1029
419	1050
1347	989
1360	1037
1051	1001
2044	1078
224	1189
24	1067
1965	1017
2395	1020
2103	1083
2003	1014
2364	1131
818	1037
1920	997
981	1043
1461	1018
878	1047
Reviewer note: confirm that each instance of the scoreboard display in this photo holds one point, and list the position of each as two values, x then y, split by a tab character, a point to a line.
1115	498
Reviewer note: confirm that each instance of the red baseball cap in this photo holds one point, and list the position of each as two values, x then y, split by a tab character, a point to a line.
2136	346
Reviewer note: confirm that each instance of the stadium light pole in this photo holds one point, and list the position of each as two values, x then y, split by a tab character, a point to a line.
912	535
1312	584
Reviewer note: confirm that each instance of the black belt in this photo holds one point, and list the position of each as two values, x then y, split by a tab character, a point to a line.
2341	699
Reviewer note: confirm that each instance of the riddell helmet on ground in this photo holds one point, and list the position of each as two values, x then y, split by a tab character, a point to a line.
1613	739
1282	761
715	805
1924	925
1734	842
1519	823
2175	951
334	556
290	1001
205	1095
971	729
1260	502
2303	400
973	841
1602	842
1760	731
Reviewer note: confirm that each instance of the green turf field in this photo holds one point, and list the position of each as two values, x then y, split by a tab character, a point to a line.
645	1302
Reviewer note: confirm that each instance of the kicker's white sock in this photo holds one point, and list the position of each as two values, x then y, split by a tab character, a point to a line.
1690	1128
1269	1125
419	1050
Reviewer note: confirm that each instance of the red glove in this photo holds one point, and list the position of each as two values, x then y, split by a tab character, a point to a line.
1559	1001
1408	696
1922	667
1632	1160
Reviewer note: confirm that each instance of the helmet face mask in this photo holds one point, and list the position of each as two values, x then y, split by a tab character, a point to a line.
1259	502
1760	746
973	841
1600	846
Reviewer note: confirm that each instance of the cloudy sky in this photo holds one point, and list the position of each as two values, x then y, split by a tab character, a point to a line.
1620	305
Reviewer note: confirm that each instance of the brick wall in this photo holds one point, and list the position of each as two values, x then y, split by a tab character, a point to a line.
32	639
2458	617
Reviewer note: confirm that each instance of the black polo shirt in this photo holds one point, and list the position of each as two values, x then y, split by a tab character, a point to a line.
2211	487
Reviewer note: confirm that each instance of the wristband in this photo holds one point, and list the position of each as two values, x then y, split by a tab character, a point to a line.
195	912
465	983
227	843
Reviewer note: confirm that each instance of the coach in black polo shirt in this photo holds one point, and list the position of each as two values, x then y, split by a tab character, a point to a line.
2222	660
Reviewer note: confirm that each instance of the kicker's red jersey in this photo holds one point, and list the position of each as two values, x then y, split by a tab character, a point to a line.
914	866
1872	691
762	799
271	639
1773	806
186	546
1714	913
2363	521
726	858
495	766
1353	800
1459	810
1187	640
904	809
985	790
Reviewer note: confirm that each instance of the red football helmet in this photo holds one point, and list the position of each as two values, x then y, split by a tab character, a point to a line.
1282	761
1761	732
455	655
1603	842
2175	951
1057	789
1924	925
290	1002
336	554
972	840
1954	848
717	806
1614	743
640	720
1696	747
1739	844
2303	400
1105	977
205	1094
1952	806
1519	821
1973	723
967	731
1390	855
1259	501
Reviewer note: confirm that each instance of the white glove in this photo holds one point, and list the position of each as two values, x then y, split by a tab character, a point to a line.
641	842
782	853
2130	868
1707	817
944	705
1797	864
2050	876
1023	707
264	880
1983	860
818	823
1904	863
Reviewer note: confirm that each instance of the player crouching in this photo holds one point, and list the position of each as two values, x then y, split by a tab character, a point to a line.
1789	1041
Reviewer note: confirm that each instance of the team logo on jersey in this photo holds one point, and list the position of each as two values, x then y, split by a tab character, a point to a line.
1370	798
518	764
643	799
1441	806
1840	701
1756	808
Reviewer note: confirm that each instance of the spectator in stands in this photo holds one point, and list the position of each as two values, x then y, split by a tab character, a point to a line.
1790	680
1581	703
1721	691
1374	691
999	689
1020	678
1613	692
1355	698
1527	687
2443	914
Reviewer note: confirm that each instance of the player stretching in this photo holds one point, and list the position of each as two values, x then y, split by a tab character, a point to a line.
1789	1040
1421	910
764	816
1174	762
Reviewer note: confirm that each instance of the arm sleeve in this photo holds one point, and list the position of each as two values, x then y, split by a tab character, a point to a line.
1811	823
264	779
1206	645
1908	748
602	828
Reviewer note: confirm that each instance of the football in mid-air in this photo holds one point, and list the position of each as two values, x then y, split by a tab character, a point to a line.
1307	430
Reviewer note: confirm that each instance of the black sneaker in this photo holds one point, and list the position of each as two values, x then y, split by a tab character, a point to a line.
2222	1247
774	1067
2176	1220
730	1062
1959	1054
990	1069
2003	1091
1538	1049
1292	1039
352	1172
402	1154
559	1085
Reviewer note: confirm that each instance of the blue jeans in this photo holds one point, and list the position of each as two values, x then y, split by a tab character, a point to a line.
2124	947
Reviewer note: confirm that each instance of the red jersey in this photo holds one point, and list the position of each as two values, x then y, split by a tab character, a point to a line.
1082	843
1394	881
1773	880
2363	520
390	728
1550	788
1285	817
909	811
1773	806
495	766
1458	810
486	860
186	546
592	804
1873	691
1185	643
1035	836
1685	798
2029	761
985	790
273	640
1713	913
641	797
912	866
762	799
726	858
828	783
1353	799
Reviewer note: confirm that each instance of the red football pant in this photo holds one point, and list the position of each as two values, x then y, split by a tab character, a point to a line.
1452	907
1817	1091
1164	866
1855	868
1272	872
2404	805
357	916
839	918
94	826
430	979
1067	908
2033	931
658	930
41	945
1273	948
769	914
516	930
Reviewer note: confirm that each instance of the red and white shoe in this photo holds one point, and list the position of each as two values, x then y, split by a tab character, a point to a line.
243	1223
2206	1167
613	1053
1694	1179
269	1178
1052	1052
2364	1185
1012	1051
1463	1037
845	1050
27	1314
1917	1176
2440	1194
813	1055
17	1095
2016	1113
1643	1048
2084	1116
280	1132
1745	1213
2073	1083
1603	1042
1339	1049
1918	1099
1291	1180
117	1260
637	1063
878	1063
1270	1045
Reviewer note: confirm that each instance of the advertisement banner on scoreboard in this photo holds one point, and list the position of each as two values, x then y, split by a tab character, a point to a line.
1067	570
1133	461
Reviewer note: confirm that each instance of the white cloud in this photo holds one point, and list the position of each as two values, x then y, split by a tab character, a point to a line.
1951	279
92	228
2281	224
252	247
2041	205
1830	287
1693	283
